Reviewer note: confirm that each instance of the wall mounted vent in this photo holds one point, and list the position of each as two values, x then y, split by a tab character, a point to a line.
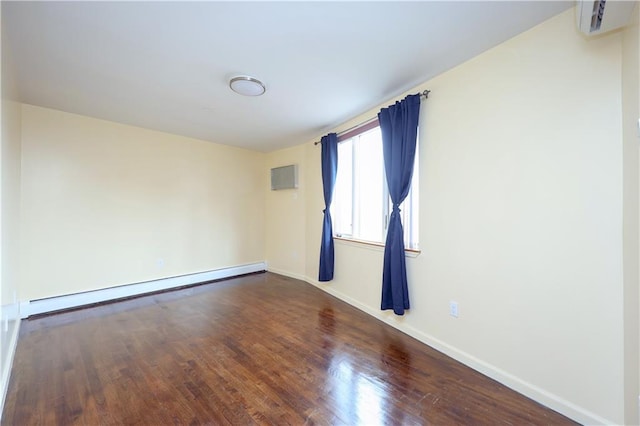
600	16
285	177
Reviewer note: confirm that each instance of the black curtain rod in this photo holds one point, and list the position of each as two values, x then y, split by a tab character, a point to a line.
424	94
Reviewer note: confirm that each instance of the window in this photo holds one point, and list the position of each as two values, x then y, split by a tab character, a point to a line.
361	203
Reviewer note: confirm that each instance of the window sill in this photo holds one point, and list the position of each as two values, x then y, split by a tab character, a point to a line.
371	245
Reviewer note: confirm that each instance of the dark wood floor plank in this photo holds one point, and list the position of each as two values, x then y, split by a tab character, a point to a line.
259	349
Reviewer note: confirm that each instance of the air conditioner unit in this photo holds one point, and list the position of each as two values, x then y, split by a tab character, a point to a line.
600	16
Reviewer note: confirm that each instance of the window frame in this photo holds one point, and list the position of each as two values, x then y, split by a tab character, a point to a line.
386	203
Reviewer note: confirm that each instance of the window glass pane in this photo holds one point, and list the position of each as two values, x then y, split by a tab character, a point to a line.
410	208
368	187
341	208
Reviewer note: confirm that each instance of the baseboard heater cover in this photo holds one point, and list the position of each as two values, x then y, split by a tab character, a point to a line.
59	303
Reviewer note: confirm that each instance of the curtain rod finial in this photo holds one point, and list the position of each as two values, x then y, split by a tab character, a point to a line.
426	94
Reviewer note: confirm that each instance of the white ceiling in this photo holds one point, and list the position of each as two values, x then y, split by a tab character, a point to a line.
166	65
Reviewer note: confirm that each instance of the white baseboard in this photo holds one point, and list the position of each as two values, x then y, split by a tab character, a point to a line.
536	393
287	273
51	304
8	364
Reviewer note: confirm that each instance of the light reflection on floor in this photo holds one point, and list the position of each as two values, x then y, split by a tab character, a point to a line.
356	395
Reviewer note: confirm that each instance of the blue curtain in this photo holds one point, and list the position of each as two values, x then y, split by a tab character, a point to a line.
329	170
399	127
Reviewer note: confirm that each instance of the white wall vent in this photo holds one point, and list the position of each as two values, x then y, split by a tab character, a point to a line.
600	16
285	177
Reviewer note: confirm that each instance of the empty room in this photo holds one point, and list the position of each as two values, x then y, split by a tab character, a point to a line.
327	213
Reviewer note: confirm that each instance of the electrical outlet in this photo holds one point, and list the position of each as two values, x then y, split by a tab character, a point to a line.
159	263
453	308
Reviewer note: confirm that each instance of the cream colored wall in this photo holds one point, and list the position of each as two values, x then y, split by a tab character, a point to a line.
521	219
10	200
285	214
523	214
9	215
9	232
631	187
106	204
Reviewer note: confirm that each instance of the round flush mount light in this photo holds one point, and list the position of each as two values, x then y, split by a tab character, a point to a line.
247	86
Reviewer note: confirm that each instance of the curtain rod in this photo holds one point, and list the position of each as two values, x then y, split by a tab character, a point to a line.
424	94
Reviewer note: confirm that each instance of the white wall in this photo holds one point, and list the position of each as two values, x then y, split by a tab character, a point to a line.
106	204
9	217
521	218
631	187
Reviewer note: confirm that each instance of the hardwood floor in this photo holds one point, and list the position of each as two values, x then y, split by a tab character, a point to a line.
259	349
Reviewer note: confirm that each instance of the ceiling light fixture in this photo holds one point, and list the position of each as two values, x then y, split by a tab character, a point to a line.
247	86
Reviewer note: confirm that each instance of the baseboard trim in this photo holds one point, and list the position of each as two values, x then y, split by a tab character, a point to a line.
536	393
70	301
8	365
287	274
